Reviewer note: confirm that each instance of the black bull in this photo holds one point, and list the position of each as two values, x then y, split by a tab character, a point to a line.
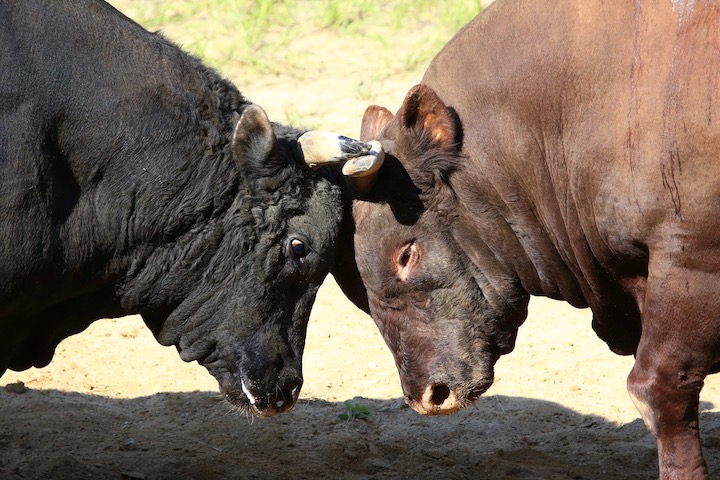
133	179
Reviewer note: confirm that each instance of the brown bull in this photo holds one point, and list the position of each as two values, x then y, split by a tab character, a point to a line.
569	149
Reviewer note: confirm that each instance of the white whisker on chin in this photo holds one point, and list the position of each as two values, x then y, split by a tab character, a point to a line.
247	393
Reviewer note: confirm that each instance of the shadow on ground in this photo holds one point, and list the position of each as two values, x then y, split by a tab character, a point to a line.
59	436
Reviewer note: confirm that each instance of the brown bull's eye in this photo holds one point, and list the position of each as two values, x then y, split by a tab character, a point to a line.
406	260
298	248
405	257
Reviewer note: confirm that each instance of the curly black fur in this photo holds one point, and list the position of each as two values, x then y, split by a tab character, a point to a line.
125	190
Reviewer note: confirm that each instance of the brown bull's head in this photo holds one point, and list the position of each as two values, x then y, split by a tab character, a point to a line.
445	316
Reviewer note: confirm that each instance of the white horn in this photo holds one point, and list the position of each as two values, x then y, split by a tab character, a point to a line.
321	148
367	164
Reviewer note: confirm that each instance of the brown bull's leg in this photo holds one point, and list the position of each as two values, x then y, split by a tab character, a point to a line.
675	354
668	401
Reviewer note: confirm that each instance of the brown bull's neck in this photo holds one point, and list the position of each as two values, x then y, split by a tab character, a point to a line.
506	233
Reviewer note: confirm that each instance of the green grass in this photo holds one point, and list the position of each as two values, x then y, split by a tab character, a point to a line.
346	14
258	35
218	31
354	411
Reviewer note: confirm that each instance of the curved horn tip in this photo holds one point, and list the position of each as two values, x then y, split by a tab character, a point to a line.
367	164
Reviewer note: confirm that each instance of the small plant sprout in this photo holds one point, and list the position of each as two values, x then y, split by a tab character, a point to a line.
354	411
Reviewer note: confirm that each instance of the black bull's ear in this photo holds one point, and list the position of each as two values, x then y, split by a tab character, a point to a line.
254	140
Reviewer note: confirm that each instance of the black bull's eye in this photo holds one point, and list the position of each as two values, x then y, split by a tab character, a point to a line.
298	248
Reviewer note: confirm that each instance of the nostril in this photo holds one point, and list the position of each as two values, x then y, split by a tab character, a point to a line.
440	393
292	385
289	392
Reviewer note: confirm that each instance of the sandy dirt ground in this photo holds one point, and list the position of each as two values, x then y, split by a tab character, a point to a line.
114	404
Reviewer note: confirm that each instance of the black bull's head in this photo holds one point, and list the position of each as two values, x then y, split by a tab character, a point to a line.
258	270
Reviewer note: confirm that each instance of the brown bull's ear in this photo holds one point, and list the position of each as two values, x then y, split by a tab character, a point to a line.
374	121
424	113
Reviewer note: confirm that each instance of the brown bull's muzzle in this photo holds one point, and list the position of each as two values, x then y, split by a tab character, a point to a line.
442	399
437	399
362	160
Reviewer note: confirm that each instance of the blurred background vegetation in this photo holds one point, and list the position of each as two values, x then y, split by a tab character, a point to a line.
257	34
304	60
